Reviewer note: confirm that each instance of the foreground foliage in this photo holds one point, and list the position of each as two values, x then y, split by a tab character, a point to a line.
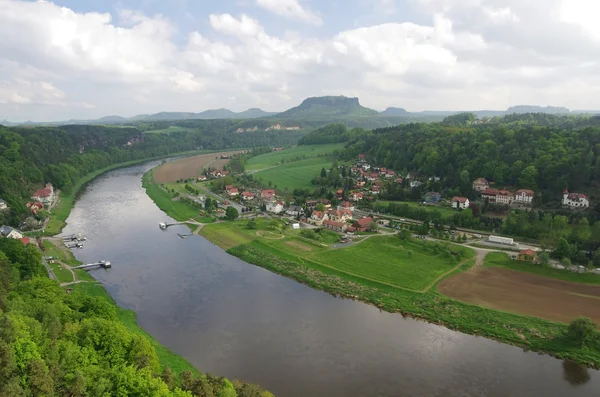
57	344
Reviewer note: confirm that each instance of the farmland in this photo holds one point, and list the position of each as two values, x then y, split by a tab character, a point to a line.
289	155
295	175
189	167
497	286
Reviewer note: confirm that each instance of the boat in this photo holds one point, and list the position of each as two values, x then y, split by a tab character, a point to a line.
162	225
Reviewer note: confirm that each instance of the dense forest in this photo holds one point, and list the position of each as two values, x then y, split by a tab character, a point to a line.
57	344
30	157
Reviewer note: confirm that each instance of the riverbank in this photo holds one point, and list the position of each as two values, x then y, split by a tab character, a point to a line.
296	262
62	209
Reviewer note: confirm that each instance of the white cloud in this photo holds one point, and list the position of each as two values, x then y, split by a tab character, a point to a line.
291	9
468	54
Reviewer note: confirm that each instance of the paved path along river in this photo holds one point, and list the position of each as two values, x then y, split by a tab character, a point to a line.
237	320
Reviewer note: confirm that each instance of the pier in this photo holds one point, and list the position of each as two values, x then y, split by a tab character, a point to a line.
103	264
74	237
164	225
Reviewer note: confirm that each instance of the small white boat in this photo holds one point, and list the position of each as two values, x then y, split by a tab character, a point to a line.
162	225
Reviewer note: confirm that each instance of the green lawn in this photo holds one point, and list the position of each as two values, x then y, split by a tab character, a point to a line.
386	260
175	209
296	175
228	234
445	212
290	154
499	259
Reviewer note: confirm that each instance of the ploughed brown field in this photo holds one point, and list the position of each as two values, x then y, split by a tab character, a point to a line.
189	167
524	293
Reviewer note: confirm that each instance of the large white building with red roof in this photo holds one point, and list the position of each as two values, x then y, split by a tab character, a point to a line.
575	200
45	195
460	202
524	196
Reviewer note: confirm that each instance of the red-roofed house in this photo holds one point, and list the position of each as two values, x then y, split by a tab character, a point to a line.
335	226
318	217
527	255
202	178
375	189
227	187
267	194
480	184
575	200
356	196
247	195
490	194
399	180
363	223
390	174
524	196
361	156
275	207
45	195
339	215
233	192
346	205
339	193
372	176
35	207
460	202
504	197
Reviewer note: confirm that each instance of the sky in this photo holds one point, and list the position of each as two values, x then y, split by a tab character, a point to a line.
86	59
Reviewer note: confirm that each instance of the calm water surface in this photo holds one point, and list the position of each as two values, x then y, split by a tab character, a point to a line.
237	320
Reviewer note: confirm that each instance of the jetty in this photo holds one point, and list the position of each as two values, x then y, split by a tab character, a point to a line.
164	225
184	235
104	264
74	245
74	237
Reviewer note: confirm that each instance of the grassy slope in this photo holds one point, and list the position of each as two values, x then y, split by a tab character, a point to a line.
295	175
61	211
498	259
444	211
303	266
274	158
386	259
175	209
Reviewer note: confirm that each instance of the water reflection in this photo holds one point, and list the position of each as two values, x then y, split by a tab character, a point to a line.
575	374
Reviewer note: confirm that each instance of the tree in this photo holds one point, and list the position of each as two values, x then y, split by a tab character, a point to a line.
544	258
563	250
405	234
409	253
323	173
320	207
581	328
209	204
528	177
168	377
372	227
566	262
231	213
270	183
252	225
597	258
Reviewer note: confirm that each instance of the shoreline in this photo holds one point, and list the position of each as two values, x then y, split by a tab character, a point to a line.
528	333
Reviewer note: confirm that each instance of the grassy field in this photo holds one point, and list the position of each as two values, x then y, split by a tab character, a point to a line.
387	260
175	209
296	175
498	259
445	212
289	155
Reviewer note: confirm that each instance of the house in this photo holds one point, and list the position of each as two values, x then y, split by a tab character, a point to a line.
3	205
326	203
267	194
524	196
275	207
434	178
480	184
375	189
378	183
460	202
372	176
414	184
575	200
504	197
339	215
399	180
383	170
233	192
35	206
432	197
202	178
225	173
363	223
527	255
346	205
227	187
294	210
311	203
360	183
335	226
25	240
339	193
277	149
246	196
489	194
356	196
9	232
383	222
362	157
318	217
366	167
45	195
351	230
390	174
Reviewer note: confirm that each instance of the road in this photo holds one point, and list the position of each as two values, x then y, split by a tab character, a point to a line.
218	197
50	271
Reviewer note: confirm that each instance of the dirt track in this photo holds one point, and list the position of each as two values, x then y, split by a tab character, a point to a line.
189	167
524	293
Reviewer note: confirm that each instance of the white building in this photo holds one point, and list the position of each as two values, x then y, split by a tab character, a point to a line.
3	205
575	200
504	197
45	195
524	196
414	184
275	207
9	232
480	184
318	217
460	202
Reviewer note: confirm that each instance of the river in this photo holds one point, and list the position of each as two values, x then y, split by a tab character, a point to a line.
237	320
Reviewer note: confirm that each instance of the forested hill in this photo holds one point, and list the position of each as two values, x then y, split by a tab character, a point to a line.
57	344
30	157
547	159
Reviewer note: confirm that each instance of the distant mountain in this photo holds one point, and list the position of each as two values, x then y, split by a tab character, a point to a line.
328	106
395	112
537	109
254	113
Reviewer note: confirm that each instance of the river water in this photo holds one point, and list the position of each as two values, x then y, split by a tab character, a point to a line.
237	320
